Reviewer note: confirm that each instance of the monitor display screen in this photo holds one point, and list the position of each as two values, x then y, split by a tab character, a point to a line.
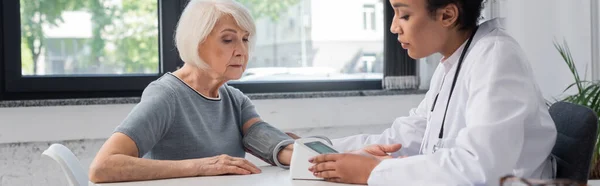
320	147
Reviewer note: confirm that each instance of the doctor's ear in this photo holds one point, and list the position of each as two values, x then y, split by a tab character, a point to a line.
448	15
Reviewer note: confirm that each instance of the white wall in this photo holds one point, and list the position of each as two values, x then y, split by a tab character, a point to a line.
537	23
31	124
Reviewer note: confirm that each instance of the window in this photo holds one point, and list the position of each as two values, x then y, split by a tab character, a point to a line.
303	44
85	48
115	48
78	38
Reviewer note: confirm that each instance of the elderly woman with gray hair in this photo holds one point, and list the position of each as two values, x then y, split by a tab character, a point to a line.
189	122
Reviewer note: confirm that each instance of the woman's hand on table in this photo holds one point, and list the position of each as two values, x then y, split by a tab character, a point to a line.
222	165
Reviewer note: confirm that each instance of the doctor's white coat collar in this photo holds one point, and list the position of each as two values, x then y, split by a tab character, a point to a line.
449	62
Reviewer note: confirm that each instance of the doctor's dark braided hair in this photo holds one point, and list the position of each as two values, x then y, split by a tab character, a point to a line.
470	11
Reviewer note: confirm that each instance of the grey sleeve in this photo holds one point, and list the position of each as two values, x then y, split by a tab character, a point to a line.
150	119
248	110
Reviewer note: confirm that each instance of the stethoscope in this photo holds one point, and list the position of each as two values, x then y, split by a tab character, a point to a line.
460	61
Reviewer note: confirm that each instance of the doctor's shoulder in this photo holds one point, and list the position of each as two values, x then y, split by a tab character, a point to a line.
499	50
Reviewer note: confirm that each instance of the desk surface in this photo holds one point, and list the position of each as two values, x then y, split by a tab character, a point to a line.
270	176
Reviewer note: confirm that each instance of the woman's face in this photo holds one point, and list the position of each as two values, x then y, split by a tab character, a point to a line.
418	31
225	49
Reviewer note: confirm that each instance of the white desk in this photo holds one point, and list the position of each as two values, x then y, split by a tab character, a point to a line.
270	176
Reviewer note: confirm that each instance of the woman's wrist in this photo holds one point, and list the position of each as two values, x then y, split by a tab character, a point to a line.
285	155
282	153
193	167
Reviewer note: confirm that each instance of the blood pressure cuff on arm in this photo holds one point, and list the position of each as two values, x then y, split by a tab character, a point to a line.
265	141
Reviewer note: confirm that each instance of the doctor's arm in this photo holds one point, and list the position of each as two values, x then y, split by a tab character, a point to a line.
407	131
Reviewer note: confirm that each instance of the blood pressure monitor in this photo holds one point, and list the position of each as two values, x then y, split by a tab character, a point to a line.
304	149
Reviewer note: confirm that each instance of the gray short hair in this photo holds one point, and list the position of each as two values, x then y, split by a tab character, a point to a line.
198	20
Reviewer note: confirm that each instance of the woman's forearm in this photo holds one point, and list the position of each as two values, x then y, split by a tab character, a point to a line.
119	168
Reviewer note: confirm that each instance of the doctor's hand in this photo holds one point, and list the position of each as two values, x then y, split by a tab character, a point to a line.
378	151
344	168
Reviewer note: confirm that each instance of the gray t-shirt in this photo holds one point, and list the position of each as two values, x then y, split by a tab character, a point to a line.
174	122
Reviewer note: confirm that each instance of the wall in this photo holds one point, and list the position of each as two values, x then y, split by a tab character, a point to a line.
537	23
31	124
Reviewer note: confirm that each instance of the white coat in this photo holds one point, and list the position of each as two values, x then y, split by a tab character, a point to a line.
497	122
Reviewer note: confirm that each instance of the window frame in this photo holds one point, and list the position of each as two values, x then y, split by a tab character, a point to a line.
369	17
1	53
397	62
14	86
18	87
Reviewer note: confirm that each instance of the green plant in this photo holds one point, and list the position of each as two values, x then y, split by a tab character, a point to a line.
588	94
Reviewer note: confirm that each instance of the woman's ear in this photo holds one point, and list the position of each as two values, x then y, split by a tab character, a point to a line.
448	15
